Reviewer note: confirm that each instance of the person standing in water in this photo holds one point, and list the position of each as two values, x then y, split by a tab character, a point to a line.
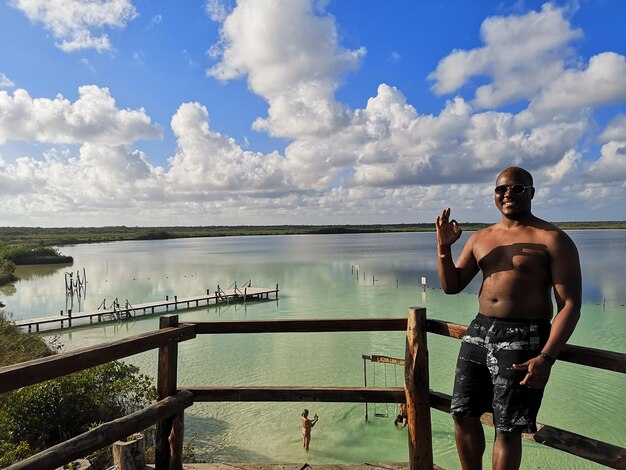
307	424
403	417
510	347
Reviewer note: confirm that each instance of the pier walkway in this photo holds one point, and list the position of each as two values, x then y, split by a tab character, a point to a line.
128	311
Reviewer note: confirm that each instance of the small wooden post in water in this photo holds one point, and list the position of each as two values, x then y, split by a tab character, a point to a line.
166	386
416	390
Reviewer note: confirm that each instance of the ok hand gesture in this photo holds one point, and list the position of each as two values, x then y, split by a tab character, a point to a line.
448	231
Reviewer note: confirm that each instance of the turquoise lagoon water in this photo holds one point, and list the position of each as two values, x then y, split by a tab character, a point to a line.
316	278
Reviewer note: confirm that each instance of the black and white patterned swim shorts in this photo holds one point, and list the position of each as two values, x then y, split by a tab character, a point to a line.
485	380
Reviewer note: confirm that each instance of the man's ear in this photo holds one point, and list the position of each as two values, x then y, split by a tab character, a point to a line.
532	193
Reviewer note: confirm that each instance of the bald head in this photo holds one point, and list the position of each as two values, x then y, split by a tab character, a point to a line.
520	173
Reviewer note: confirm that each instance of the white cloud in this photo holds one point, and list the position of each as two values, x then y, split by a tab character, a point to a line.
217	10
565	167
77	23
99	178
522	54
92	118
5	82
611	166
615	129
291	57
602	82
208	161
386	161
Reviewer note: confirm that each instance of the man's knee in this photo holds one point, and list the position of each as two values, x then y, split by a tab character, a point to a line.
508	438
466	422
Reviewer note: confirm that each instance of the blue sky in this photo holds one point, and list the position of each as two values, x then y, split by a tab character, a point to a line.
150	112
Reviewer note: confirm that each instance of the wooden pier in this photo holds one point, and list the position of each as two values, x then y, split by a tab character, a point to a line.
128	311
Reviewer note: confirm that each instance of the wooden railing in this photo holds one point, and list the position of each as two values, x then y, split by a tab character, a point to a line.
168	412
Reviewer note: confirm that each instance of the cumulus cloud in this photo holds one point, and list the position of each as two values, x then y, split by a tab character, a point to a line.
77	24
355	164
611	166
556	173
207	161
291	56
521	55
602	82
98	178
92	118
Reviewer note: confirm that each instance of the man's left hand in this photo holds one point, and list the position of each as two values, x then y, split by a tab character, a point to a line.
538	372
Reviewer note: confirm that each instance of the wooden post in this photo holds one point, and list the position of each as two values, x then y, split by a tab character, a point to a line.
365	383
166	386
129	455
176	442
416	390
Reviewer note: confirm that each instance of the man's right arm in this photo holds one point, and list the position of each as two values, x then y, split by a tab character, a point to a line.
455	277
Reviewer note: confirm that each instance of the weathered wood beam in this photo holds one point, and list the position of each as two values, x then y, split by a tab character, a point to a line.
166	386
40	370
607	360
591	449
302	326
105	434
295	394
416	379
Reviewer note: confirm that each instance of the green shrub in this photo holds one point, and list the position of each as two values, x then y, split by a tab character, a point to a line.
16	346
50	412
39	416
22	254
7	271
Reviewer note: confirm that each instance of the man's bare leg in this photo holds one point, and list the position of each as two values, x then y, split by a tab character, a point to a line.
507	451
470	441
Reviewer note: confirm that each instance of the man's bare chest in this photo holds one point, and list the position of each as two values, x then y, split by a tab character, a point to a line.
521	255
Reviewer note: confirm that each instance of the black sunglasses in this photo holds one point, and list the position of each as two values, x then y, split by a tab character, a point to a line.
514	188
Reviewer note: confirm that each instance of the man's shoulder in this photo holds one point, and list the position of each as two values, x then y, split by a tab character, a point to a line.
550	230
487	231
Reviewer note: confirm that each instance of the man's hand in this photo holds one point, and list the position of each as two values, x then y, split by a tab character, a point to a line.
538	372
448	231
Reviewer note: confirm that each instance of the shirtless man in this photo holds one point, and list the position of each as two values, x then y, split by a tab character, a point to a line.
307	424
509	348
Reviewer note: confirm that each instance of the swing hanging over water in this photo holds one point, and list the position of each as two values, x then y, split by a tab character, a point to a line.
378	361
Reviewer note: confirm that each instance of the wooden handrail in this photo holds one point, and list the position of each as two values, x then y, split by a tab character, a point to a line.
105	434
591	449
295	394
39	370
301	326
582	446
598	358
166	339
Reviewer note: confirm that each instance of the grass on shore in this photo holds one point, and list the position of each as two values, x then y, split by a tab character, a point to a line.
38	236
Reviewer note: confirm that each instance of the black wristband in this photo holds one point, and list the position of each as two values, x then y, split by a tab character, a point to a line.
547	357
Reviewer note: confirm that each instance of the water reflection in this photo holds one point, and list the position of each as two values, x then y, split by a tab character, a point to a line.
36	271
313	267
316	280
